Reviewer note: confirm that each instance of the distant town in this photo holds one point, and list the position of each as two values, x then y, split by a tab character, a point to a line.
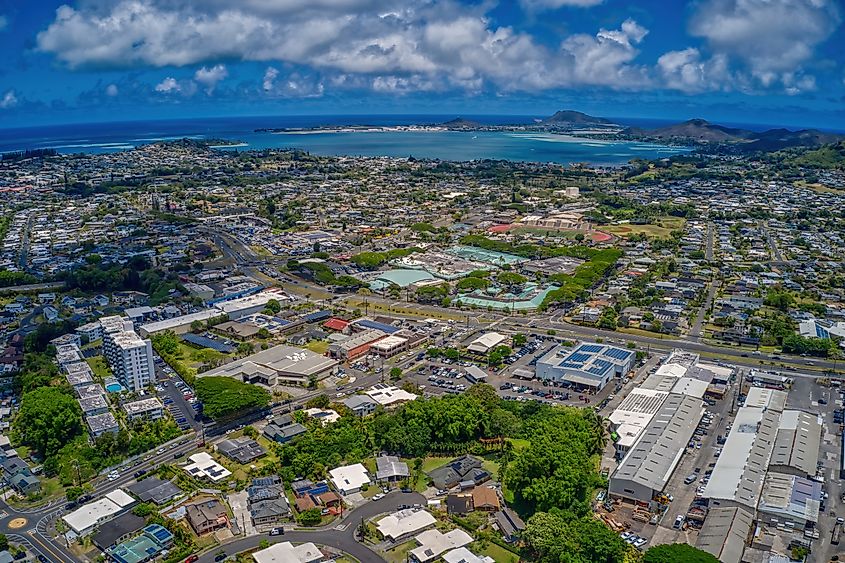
211	354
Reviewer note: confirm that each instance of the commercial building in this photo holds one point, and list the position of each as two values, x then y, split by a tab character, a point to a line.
388	395
737	479
86	518
128	355
279	365
349	479
150	409
389	346
588	365
650	462
787	498
632	416
180	324
487	342
356	345
725	532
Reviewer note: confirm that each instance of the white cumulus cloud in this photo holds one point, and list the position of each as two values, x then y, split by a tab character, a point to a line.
8	100
269	78
688	72
168	85
209	77
111	90
771	38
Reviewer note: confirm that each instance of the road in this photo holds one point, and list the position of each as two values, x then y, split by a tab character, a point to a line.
708	249
339	535
704	311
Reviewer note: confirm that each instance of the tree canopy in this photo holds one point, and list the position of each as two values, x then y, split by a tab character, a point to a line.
48	419
677	553
222	397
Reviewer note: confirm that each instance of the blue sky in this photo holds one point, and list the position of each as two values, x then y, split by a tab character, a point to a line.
741	61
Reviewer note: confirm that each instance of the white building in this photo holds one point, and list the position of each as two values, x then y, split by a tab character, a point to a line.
286	552
150	408
129	356
487	342
433	543
387	395
349	479
203	466
404	523
463	555
86	518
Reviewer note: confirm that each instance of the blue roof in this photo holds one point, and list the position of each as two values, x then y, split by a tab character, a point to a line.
161	534
389	329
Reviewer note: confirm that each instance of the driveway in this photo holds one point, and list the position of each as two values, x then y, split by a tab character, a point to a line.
339	535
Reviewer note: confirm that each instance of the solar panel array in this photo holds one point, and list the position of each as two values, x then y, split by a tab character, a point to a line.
617	353
590	348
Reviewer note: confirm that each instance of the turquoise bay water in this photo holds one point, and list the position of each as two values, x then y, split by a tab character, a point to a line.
98	138
460	145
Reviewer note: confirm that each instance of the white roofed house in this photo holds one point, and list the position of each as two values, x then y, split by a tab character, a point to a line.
349	479
402	524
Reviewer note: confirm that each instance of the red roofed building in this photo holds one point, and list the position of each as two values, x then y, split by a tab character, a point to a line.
337	324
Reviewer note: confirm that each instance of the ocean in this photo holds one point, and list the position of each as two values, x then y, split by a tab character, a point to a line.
98	138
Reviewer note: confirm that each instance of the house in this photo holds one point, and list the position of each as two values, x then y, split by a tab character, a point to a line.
485	498
361	405
203	466
433	543
390	469
349	479
25	483
267	502
509	523
283	429
286	552
242	450
208	516
400	525
459	503
118	530
153	489
465	471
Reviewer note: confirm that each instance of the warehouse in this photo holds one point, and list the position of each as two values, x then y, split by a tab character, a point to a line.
589	366
725	532
738	476
632	416
279	365
649	464
787	498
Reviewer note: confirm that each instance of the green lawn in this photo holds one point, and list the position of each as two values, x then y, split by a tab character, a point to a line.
99	367
318	346
431	463
500	554
519	443
661	229
400	553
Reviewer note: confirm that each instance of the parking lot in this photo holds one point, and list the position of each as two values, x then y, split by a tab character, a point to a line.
177	396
